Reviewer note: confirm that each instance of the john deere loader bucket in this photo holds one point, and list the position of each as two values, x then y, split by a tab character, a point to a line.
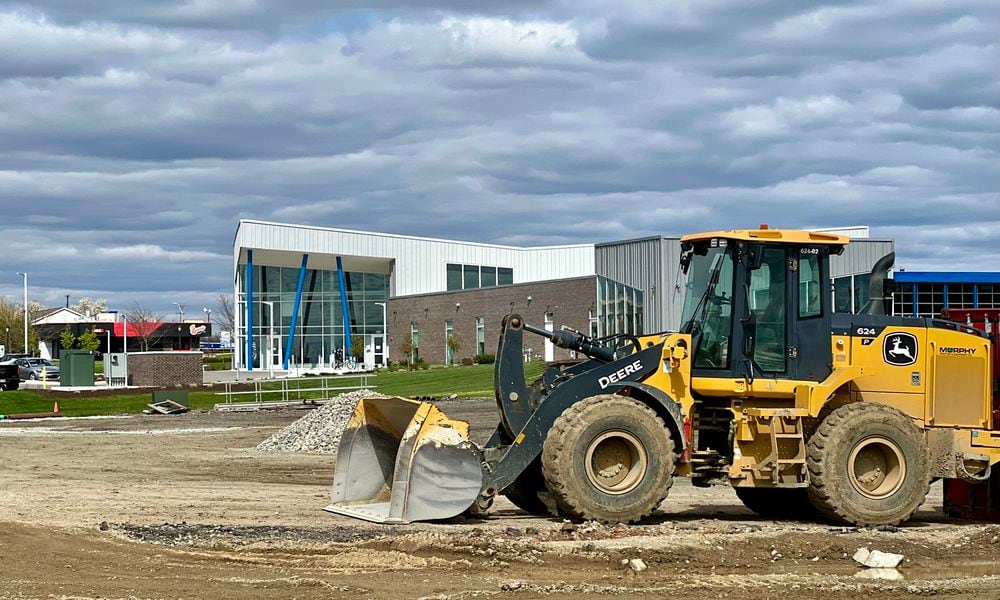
401	461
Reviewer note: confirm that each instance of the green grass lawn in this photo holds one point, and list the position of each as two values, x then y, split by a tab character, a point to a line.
465	381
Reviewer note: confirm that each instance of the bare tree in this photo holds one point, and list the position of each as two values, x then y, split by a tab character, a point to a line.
144	326
225	316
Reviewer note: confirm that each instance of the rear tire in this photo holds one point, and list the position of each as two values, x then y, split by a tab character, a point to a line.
523	493
778	503
608	458
869	465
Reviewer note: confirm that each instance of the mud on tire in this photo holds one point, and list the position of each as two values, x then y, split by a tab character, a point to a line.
608	458
869	465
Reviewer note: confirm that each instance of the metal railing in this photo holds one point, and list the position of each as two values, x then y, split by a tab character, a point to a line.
281	392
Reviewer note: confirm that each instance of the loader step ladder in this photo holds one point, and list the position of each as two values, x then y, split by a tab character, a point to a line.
785	466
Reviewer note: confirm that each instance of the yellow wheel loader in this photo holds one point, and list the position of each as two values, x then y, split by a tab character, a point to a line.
764	388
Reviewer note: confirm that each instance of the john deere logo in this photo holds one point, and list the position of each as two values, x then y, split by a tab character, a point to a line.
900	349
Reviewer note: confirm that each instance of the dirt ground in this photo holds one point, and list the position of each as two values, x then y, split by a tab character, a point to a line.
181	507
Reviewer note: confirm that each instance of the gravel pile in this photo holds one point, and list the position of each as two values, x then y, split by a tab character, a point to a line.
319	431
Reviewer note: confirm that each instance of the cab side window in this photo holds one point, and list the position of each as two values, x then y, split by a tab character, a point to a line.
810	288
767	301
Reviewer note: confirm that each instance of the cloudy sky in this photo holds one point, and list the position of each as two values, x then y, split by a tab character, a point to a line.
133	135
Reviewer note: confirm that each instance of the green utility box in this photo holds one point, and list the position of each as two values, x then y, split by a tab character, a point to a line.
178	396
76	368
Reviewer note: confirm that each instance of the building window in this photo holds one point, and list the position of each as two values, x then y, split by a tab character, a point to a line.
471	277
961	295
488	276
930	299
480	335
415	341
449	354
988	295
618	309
592	319
454	277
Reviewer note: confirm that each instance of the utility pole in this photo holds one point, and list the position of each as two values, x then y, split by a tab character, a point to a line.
25	275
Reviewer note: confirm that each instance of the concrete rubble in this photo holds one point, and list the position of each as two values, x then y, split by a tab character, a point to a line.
319	431
876	559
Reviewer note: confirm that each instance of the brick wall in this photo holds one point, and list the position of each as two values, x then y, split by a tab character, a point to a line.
569	301
165	368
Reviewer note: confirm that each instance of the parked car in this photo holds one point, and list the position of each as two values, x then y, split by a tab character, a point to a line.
8	359
10	377
36	369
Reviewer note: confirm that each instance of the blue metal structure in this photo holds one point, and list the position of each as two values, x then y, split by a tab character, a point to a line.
295	312
343	307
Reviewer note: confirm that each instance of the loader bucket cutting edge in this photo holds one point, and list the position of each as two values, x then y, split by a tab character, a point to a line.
401	461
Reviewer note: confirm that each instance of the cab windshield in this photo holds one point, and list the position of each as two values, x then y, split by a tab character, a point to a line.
708	305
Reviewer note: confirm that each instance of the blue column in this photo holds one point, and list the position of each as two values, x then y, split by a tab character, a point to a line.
944	296
343	308
295	311
249	279
975	295
914	299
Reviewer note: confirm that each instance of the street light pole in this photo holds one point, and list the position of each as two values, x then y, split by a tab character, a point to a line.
270	338
25	275
208	312
385	335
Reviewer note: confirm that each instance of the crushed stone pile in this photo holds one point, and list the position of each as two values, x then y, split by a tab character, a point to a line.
319	431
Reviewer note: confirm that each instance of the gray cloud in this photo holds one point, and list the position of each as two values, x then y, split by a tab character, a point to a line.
134	135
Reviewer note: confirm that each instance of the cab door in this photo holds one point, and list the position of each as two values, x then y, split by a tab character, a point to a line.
810	357
789	307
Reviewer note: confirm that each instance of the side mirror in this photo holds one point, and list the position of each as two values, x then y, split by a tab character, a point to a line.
755	257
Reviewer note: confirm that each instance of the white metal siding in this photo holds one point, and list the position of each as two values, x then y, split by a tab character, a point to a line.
416	265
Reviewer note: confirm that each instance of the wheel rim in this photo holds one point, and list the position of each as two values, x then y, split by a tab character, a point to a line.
877	467
616	462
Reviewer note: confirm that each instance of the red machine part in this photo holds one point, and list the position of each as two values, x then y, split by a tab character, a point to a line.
979	501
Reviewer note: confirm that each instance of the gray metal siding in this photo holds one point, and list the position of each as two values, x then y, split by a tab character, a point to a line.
650	265
859	257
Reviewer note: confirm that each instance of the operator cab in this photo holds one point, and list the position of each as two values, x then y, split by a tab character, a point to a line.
754	298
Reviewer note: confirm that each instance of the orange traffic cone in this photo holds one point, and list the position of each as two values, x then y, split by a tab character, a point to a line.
55	407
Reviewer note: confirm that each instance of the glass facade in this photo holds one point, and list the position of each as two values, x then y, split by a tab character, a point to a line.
619	309
320	325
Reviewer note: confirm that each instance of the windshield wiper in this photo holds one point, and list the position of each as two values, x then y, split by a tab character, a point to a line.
713	280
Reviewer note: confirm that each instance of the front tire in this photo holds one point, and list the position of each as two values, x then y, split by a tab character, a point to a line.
524	492
608	458
869	465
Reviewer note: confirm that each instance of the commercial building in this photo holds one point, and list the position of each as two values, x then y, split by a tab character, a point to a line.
110	328
308	294
926	293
